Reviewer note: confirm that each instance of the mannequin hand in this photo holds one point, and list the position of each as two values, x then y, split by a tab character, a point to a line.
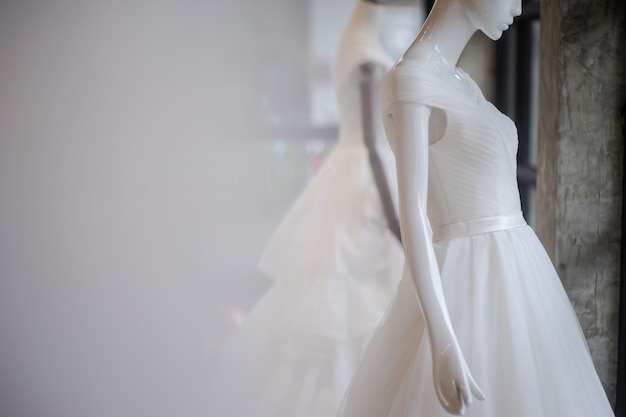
454	383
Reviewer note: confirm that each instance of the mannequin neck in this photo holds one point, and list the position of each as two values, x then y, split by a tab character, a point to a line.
444	35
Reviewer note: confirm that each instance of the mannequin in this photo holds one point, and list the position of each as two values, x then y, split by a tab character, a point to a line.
334	260
480	313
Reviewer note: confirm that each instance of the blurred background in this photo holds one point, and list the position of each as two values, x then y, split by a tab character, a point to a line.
147	151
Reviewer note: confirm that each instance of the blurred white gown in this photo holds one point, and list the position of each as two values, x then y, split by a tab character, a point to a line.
513	320
335	267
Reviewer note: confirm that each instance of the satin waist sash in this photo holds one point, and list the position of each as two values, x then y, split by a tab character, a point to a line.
478	226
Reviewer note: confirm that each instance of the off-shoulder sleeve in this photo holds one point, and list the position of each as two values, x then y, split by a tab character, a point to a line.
416	84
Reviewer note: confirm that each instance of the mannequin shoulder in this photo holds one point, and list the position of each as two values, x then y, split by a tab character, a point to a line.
408	72
415	84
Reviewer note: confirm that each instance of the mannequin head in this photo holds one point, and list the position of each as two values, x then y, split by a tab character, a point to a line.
492	17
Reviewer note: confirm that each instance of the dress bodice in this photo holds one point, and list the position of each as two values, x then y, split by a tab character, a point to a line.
472	167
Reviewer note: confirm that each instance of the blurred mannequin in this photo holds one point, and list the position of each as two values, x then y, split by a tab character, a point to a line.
491	320
334	260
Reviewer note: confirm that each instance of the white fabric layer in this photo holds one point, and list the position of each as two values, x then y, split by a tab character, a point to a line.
513	320
335	247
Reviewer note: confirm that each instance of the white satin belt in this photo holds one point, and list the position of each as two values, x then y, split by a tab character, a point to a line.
478	226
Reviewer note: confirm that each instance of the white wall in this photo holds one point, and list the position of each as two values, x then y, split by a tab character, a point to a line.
122	205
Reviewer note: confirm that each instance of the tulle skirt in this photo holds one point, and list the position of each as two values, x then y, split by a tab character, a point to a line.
515	325
335	267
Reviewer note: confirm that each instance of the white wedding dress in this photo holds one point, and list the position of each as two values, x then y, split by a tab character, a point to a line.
335	267
514	322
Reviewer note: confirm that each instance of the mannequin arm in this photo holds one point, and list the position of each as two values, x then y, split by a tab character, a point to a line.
367	75
454	383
